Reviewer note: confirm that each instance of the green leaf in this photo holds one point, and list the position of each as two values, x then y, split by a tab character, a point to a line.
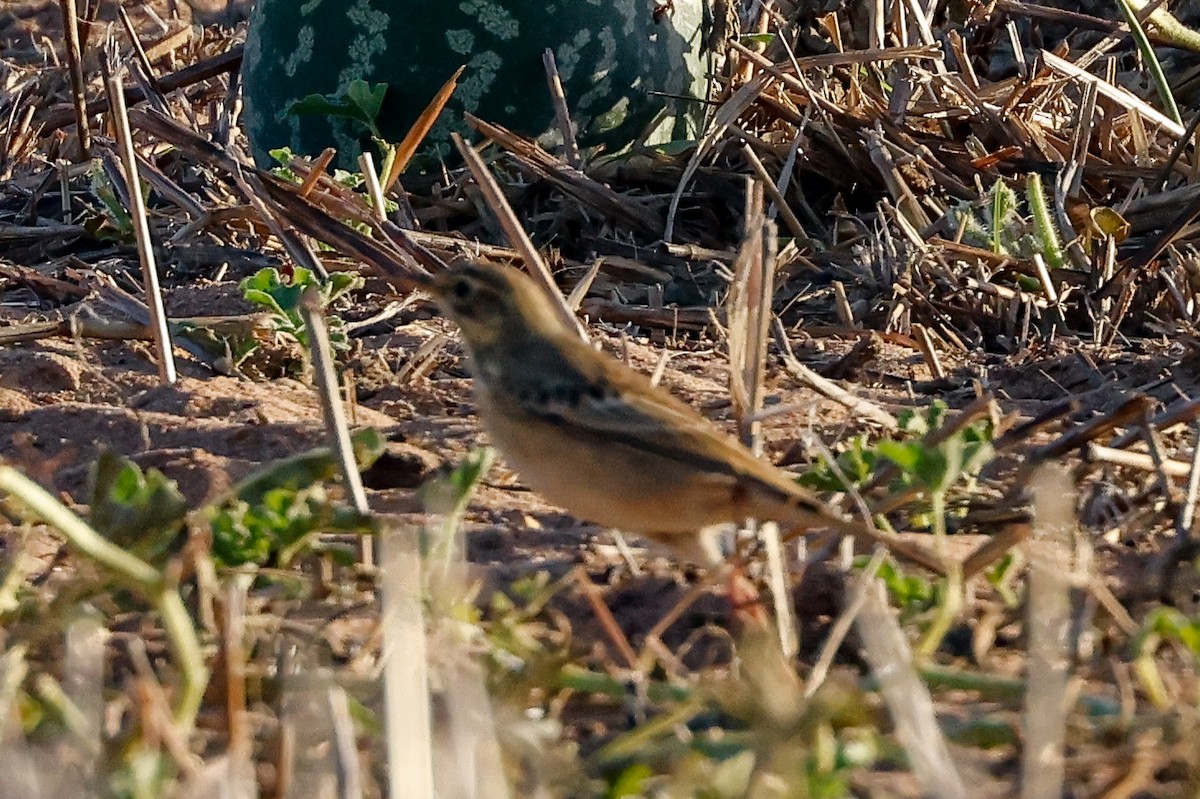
307	468
339	283
856	462
905	454
238	538
1004	215
283	156
1049	241
1168	623
142	512
263	298
910	593
272	514
1150	57
279	528
360	102
267	288
449	494
631	781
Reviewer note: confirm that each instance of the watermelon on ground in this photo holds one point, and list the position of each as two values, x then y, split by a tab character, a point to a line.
616	58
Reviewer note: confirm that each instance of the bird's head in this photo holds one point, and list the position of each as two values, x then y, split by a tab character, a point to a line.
493	305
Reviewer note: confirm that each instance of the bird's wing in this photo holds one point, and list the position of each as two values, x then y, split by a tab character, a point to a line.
601	399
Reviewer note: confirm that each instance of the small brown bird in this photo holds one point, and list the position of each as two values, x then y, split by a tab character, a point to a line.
599	439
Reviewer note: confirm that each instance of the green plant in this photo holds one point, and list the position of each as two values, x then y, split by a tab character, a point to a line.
997	224
1162	624
855	465
930	465
936	468
157	585
112	222
1003	215
274	514
359	101
142	512
1043	221
137	518
909	592
952	462
360	104
281	295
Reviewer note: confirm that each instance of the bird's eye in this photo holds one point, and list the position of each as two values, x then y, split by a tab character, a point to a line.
462	288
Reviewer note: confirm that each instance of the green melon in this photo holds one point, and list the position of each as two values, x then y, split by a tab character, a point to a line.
611	54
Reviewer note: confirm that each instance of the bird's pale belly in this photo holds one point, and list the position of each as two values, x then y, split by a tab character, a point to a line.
599	483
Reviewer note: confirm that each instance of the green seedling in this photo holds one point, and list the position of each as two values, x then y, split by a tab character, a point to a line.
994	222
275	531
856	463
937	469
1001	575
273	515
141	512
280	296
910	593
998	225
944	466
112	222
1049	241
934	470
360	103
1004	217
1163	624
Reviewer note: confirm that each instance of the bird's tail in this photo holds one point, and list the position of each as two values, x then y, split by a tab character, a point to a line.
807	513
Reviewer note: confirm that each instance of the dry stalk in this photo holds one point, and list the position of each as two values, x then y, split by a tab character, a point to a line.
70	18
518	239
562	111
141	224
826	388
332	410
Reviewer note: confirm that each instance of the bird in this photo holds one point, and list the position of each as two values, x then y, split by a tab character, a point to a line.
591	434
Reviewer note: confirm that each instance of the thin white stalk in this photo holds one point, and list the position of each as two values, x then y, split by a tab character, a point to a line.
405	670
1048	619
908	700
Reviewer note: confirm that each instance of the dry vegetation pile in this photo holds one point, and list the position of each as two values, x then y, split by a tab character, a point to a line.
945	261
